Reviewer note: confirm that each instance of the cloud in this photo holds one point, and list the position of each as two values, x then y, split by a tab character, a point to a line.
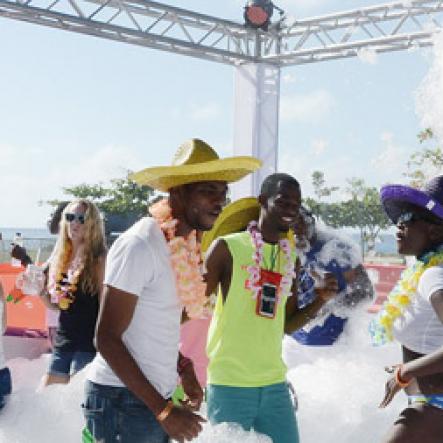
42	177
311	107
318	146
297	7
387	163
204	112
368	56
289	78
197	112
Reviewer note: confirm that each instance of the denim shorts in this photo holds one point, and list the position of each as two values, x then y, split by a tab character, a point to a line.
267	409
5	385
115	414
65	363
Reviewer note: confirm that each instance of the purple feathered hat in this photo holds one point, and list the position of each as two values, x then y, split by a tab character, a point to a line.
395	197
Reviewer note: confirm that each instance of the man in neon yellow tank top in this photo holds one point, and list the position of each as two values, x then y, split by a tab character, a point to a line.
255	270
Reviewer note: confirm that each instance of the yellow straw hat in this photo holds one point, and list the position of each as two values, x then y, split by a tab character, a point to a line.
196	161
234	218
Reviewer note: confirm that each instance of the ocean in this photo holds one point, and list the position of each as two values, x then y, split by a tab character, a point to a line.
27	233
34	240
385	245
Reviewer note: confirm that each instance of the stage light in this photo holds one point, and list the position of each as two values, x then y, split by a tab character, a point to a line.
258	13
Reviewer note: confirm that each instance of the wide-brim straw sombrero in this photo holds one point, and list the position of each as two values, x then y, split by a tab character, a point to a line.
234	218
395	198
196	161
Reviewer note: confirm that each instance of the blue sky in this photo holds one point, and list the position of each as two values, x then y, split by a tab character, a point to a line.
80	109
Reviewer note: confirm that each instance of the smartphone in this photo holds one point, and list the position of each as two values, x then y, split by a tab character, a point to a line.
267	301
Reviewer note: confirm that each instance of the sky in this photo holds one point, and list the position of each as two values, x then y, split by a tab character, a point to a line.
79	109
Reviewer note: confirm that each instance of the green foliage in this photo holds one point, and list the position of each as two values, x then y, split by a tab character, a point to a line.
362	211
320	190
122	196
425	163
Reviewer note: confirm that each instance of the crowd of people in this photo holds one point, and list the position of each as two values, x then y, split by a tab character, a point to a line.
246	274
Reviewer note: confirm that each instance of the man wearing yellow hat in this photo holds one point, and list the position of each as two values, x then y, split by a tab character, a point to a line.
152	273
255	270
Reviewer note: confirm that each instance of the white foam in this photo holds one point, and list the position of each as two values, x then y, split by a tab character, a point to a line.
429	103
338	388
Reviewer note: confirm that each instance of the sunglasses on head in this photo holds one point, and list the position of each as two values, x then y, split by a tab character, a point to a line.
70	217
407	218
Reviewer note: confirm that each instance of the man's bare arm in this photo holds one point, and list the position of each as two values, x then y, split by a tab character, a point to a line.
218	263
297	317
116	312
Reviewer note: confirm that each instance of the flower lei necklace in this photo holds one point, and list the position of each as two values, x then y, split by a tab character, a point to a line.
66	286
400	298
186	262
287	245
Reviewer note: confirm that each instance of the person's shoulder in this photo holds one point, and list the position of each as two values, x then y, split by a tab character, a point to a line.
434	272
138	238
236	236
431	281
142	231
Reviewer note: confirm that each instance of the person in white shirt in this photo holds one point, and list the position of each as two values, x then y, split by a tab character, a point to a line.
153	271
413	313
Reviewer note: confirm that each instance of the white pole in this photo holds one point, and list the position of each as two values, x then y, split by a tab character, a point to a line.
256	115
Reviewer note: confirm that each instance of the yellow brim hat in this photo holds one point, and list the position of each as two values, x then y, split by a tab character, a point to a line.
196	161
234	218
229	170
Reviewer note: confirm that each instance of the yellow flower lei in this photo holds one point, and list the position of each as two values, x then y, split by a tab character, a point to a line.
400	297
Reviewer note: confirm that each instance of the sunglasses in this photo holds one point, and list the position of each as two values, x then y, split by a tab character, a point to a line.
407	218
70	217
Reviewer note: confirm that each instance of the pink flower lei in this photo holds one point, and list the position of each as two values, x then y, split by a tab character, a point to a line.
186	262
286	245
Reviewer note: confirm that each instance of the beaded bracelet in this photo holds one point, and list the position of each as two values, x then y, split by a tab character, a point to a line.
164	414
402	383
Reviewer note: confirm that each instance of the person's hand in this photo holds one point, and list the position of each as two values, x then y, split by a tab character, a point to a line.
182	424
326	285
391	387
192	388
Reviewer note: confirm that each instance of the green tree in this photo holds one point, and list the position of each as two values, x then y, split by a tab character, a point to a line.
362	211
425	163
121	196
320	189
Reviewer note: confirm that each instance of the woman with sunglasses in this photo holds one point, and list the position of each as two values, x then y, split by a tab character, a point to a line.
413	313
74	286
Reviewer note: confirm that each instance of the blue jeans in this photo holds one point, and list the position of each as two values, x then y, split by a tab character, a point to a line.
266	409
115	414
5	385
68	363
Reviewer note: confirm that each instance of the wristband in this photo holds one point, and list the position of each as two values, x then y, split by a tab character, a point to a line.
400	382
164	414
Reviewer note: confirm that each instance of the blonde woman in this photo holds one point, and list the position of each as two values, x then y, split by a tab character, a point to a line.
74	287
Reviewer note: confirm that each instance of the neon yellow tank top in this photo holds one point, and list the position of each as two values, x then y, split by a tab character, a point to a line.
244	349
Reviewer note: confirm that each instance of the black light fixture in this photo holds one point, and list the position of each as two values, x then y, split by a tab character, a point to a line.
258	13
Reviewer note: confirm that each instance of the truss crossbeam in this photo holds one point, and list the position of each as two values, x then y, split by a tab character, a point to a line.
388	27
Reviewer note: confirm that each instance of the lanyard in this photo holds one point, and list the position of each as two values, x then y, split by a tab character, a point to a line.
275	252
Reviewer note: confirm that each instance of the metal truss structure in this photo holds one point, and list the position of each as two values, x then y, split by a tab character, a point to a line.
390	27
